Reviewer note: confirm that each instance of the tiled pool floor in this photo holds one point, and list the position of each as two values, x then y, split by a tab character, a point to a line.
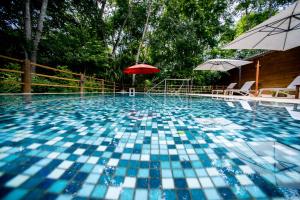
116	147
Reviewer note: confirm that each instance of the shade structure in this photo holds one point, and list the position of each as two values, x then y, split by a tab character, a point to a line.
221	64
280	32
141	69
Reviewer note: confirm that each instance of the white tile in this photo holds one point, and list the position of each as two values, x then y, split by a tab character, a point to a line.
212	171
113	162
68	144
167	183
113	193
32	170
219	181
93	178
129	182
93	160
246	169
244	179
125	156
190	151
51	142
79	151
82	159
145	157
17	181
206	182
135	157
65	164
98	169
173	152
86	190
34	146
53	155
130	145
193	183
55	174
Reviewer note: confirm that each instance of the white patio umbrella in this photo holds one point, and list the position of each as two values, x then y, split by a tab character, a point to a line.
222	65
280	32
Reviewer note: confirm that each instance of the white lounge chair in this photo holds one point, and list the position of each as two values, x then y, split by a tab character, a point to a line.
245	89
230	86
290	88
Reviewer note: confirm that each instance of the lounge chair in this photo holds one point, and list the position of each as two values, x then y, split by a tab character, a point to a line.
245	89
290	88
230	86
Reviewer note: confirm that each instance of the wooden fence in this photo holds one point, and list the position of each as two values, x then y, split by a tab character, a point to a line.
77	81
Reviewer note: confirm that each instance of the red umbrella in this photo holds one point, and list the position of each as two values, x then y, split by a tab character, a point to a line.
141	69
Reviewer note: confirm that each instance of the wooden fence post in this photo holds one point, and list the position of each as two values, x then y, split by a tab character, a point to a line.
102	86
114	87
26	77
81	83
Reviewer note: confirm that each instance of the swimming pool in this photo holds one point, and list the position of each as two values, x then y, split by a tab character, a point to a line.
147	147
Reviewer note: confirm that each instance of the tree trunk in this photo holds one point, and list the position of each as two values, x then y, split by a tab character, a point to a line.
142	40
120	31
144	33
27	28
39	31
102	8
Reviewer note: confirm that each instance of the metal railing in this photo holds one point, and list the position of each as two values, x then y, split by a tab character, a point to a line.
171	86
76	82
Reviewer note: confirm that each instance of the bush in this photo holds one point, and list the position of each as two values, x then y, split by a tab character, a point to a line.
9	81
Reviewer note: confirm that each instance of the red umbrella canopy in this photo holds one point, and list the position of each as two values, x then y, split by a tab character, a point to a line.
141	69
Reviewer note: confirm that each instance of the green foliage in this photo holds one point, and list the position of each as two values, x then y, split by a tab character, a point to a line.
82	37
9	80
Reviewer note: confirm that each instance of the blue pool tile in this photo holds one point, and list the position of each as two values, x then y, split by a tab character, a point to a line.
178	173
180	183
72	187
45	184
132	171
197	194
141	194
169	194
120	171
189	173
99	191
58	186
155	183
16	194
127	194
226	193
142	182
85	190
143	173
155	194
34	194
154	173
183	194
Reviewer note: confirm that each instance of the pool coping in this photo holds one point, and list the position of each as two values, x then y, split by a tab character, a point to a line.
218	96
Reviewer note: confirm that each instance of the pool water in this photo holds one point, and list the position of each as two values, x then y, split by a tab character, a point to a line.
147	147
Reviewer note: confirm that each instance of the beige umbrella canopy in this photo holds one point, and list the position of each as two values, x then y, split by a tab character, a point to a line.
221	64
280	32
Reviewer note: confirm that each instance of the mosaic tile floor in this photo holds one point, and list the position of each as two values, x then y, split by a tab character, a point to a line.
147	147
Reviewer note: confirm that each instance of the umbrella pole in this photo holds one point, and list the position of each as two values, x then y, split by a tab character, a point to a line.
133	79
257	78
240	75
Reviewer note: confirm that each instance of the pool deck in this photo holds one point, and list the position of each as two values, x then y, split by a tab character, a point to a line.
251	98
